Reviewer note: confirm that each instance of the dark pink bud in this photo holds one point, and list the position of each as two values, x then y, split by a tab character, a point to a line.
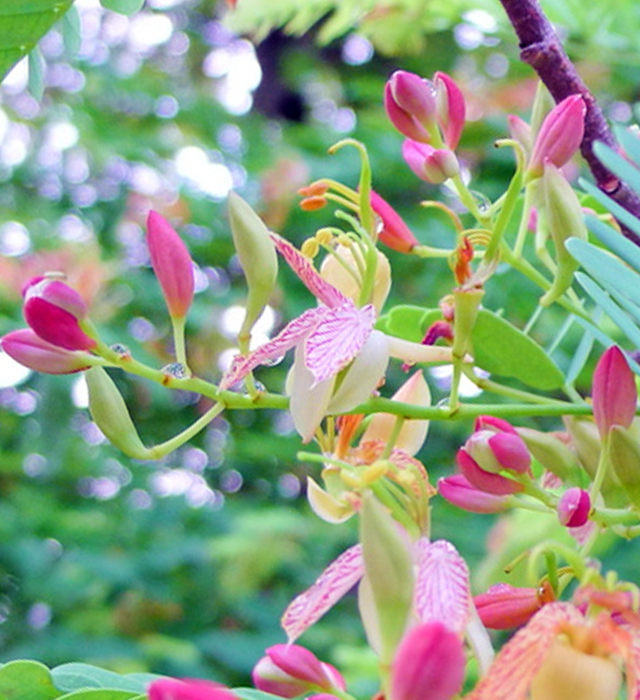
172	264
574	507
615	396
188	689
433	165
492	423
560	135
458	490
429	663
394	233
410	104
53	310
483	480
451	109
511	452
27	348
503	606
289	670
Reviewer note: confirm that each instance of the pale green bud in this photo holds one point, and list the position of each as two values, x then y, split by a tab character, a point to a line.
624	456
257	256
110	414
467	304
389	572
564	220
553	454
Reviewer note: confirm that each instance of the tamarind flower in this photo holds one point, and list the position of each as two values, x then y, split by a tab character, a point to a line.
329	338
563	653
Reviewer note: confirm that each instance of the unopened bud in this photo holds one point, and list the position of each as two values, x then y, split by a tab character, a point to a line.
410	104
615	396
483	480
257	256
574	507
624	455
171	263
457	489
27	348
553	454
504	607
110	414
433	165
450	107
394	232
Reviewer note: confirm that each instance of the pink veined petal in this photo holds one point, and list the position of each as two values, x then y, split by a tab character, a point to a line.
520	659
334	582
301	265
288	337
442	592
337	339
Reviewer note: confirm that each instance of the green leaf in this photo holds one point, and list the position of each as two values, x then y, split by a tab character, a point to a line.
609	271
580	357
502	349
26	680
103	694
623	216
615	241
613	311
498	347
124	7
22	24
36	73
76	676
72	32
629	141
618	165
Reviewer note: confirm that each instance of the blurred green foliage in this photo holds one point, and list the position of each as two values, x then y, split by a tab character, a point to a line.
184	567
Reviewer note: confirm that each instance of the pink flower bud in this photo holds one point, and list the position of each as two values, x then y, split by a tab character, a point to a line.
53	310
429	663
615	396
560	135
498	425
410	104
574	507
289	670
450	108
503	606
171	263
188	689
483	480
494	452
394	233
434	165
27	348
458	490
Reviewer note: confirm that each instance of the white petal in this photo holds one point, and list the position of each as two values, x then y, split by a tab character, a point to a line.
309	400
363	376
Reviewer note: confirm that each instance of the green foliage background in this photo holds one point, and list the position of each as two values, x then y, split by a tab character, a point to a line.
184	567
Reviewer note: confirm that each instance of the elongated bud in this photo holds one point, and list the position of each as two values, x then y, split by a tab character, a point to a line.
624	455
467	305
388	572
457	489
451	109
430	663
565	219
54	311
485	481
171	263
27	348
560	135
574	507
111	415
615	396
494	424
188	689
410	104
433	165
503	607
394	232
553	454
257	256
289	670
414	432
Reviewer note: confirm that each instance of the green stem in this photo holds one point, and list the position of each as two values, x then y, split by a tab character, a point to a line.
524	221
601	471
393	437
178	325
468	200
500	389
165	448
505	215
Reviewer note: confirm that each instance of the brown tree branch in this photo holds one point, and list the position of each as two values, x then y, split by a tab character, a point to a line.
542	50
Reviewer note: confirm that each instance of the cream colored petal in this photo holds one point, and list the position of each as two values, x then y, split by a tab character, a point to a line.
416	352
363	376
414	432
325	506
